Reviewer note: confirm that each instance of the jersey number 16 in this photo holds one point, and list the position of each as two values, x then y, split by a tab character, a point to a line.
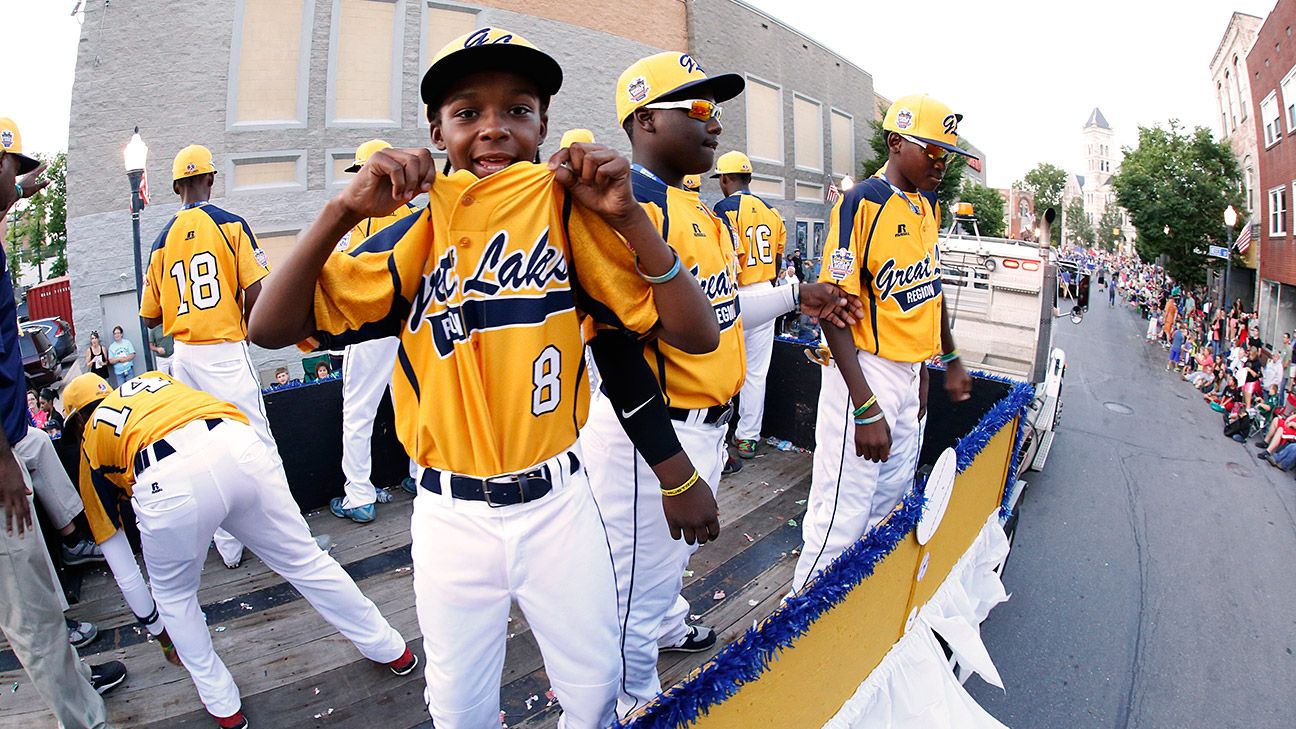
758	244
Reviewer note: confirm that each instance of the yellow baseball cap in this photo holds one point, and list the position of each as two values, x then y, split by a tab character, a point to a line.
572	136
485	49
364	152
11	143
192	161
82	391
651	78
921	116
692	182
732	163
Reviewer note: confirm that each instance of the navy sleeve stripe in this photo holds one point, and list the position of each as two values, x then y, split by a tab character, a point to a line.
727	205
385	240
650	191
162	237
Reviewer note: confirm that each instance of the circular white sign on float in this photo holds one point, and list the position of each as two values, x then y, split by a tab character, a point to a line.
940	485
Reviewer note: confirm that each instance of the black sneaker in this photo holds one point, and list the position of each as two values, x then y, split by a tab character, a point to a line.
700	638
107	676
80	634
732	465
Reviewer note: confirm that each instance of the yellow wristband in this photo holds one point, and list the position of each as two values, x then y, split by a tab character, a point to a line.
682	487
859	411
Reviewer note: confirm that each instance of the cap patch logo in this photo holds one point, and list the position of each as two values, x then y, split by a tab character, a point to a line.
190	167
638	89
482	37
904	119
841	264
101	387
6	138
951	124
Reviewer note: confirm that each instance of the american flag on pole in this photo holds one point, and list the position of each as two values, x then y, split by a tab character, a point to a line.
833	193
144	193
1244	238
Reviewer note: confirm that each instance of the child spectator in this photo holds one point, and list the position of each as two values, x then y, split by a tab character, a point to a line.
1176	349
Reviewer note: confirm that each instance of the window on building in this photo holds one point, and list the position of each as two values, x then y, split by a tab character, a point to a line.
843	143
267	62
806	192
276	245
1272	124
1278	211
1288	88
767	186
1219	98
442	24
1232	115
1243	101
807	122
365	63
268	172
1249	181
764	120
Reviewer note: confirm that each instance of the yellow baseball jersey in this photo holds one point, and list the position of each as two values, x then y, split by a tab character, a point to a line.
761	235
881	247
197	270
369	226
708	251
481	287
139	413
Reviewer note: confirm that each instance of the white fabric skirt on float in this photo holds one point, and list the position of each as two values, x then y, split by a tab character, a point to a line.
913	687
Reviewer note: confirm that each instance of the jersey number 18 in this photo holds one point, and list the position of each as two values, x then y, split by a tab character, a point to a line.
202	282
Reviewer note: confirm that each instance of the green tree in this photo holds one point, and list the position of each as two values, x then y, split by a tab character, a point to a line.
1045	182
988	206
1078	229
1109	228
42	227
947	193
1182	181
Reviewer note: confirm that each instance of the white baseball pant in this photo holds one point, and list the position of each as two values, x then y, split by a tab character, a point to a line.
224	370
760	346
228	477
649	564
849	495
366	374
472	560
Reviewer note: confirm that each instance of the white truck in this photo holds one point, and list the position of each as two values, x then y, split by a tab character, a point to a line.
1002	297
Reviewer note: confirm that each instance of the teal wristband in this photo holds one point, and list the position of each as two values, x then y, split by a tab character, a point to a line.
672	273
18	189
870	420
949	356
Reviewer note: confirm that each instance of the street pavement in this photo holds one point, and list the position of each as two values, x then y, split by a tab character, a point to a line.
1152	578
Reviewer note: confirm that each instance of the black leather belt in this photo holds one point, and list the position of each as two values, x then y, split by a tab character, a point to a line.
518	488
716	414
161	449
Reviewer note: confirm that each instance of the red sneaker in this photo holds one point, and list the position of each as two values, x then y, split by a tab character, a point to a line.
404	665
236	721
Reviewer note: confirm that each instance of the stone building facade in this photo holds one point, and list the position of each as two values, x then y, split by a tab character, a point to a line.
282	91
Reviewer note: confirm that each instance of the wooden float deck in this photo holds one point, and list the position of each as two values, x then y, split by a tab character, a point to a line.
296	671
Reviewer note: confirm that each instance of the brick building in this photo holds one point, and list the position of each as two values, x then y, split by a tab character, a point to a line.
1271	69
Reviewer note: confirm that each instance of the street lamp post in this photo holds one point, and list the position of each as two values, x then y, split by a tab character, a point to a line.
135	155
1230	220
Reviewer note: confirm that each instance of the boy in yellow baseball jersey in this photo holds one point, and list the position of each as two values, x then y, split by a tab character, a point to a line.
191	463
482	287
872	404
366	373
669	108
761	238
204	275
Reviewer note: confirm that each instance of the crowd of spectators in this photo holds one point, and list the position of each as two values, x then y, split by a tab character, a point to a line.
1218	350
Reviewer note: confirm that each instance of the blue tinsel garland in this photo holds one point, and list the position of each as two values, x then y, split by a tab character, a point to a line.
749	655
